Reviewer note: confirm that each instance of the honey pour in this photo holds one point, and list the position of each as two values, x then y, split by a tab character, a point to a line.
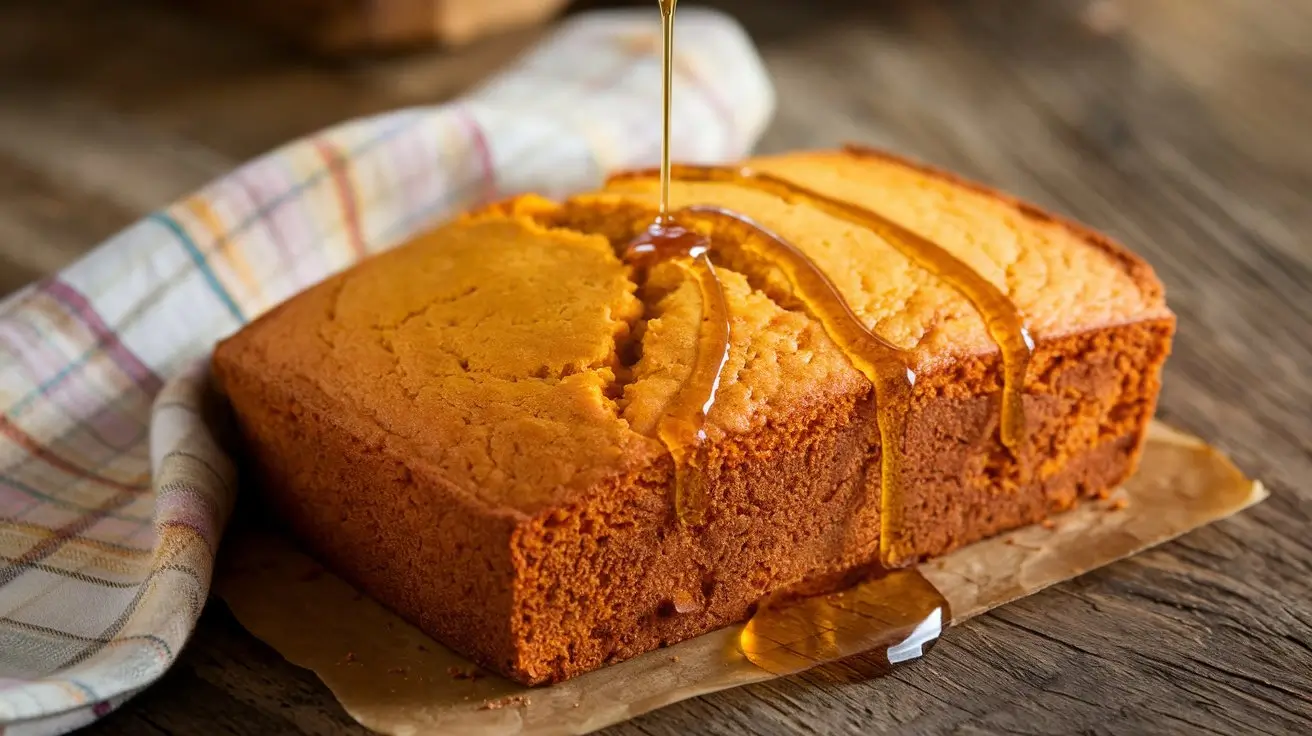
892	615
896	613
682	429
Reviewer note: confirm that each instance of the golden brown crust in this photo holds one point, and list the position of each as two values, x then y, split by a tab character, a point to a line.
486	348
1138	269
461	427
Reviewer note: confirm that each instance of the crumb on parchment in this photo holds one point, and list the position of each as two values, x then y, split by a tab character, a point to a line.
510	701
464	673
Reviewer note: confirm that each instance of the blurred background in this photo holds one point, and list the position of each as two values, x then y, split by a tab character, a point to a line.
108	110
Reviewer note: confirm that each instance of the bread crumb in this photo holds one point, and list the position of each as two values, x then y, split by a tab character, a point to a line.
577	705
1048	524
675	658
1009	540
522	701
461	673
685	602
1103	494
349	658
1118	504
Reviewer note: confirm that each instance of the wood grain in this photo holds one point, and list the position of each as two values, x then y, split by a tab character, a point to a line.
1180	126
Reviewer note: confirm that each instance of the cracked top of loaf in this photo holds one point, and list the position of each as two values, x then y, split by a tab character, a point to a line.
509	352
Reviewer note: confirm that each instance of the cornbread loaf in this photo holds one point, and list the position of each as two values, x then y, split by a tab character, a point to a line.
463	427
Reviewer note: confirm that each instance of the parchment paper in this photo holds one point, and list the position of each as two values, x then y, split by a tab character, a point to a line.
395	680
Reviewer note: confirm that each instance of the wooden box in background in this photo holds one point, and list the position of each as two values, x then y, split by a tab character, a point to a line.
347	26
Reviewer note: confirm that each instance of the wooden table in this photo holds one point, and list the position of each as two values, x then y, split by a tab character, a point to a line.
1181	126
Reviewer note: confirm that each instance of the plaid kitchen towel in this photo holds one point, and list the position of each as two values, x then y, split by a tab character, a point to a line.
113	493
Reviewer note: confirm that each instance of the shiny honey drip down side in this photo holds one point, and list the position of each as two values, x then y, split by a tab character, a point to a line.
881	362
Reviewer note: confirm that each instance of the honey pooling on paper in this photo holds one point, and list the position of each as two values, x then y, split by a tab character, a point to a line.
896	617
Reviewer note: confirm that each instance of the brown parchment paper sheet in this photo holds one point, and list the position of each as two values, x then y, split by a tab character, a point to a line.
395	680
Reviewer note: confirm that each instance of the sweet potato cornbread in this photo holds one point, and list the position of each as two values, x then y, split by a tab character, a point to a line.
469	427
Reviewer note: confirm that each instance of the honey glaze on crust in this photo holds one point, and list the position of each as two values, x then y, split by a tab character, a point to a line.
683	427
1001	317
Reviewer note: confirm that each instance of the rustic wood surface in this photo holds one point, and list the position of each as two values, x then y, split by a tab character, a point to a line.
1180	126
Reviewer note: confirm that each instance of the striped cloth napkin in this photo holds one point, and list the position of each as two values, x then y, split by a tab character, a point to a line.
113	491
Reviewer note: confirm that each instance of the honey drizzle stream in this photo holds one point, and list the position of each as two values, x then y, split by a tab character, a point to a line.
667	95
683	427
